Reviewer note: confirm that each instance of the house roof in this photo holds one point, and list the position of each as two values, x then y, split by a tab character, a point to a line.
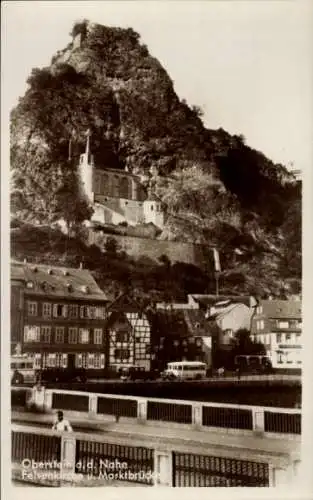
226	310
62	282
210	300
277	309
182	323
125	303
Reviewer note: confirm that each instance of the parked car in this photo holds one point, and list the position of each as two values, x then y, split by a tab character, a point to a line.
62	375
22	369
138	373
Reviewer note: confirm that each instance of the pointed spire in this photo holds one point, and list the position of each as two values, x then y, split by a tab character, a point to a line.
88	134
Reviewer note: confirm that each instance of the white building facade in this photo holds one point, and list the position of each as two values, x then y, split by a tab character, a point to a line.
278	325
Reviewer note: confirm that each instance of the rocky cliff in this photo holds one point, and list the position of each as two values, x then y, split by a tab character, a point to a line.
215	188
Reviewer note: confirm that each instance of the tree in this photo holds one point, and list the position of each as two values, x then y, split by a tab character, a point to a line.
111	246
245	346
72	206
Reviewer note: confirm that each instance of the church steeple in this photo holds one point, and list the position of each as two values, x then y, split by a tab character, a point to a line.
87	151
86	165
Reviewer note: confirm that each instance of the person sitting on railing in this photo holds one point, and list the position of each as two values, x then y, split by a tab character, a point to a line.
61	423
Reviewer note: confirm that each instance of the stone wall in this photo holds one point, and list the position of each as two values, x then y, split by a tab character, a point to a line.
176	251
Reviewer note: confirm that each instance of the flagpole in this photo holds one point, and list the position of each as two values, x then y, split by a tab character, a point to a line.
217	268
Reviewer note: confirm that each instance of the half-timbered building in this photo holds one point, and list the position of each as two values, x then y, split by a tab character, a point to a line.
128	334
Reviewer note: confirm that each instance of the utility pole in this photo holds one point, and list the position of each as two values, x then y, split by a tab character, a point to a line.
217	275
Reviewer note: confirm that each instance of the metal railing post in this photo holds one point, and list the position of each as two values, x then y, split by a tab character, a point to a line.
197	410
163	468
68	453
48	399
92	405
142	410
258	420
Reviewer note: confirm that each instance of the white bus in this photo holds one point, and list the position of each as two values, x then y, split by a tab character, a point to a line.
22	369
183	370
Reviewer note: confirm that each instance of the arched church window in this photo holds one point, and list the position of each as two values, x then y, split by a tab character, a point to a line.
116	184
124	183
97	184
104	184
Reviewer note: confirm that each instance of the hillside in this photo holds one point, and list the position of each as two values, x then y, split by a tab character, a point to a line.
217	190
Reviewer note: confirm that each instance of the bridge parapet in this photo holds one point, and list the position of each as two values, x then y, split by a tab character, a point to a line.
228	418
154	459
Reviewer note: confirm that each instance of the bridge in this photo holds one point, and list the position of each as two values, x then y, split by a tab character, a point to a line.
158	442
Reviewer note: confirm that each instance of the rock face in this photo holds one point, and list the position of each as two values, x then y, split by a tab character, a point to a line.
215	187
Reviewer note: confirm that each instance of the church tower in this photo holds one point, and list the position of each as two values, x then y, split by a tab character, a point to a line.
86	170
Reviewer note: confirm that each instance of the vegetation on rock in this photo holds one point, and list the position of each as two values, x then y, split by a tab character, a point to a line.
216	190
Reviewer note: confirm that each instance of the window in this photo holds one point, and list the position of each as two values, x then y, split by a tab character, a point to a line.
58	360
84	313
45	334
72	311
37	361
50	361
100	313
59	311
288	337
32	308
121	337
91	360
97	360
46	310
279	338
122	353
91	312
98	335
259	310
59	334
30	284
260	325
283	324
32	334
72	335
151	208
83	336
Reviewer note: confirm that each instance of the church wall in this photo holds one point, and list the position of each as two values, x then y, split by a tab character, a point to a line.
136	247
153	213
117	185
126	210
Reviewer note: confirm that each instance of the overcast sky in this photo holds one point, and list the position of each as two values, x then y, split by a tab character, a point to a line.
247	64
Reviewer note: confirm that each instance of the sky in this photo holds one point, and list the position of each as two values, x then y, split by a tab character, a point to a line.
248	65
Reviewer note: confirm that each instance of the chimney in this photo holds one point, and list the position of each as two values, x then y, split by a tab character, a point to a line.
81	266
25	261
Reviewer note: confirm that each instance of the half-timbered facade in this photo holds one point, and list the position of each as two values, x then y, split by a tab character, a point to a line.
128	334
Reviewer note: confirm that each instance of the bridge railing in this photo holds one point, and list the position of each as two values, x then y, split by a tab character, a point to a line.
38	454
194	414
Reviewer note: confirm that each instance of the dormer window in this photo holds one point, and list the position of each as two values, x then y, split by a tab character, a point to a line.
35	269
65	272
50	271
85	289
69	287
